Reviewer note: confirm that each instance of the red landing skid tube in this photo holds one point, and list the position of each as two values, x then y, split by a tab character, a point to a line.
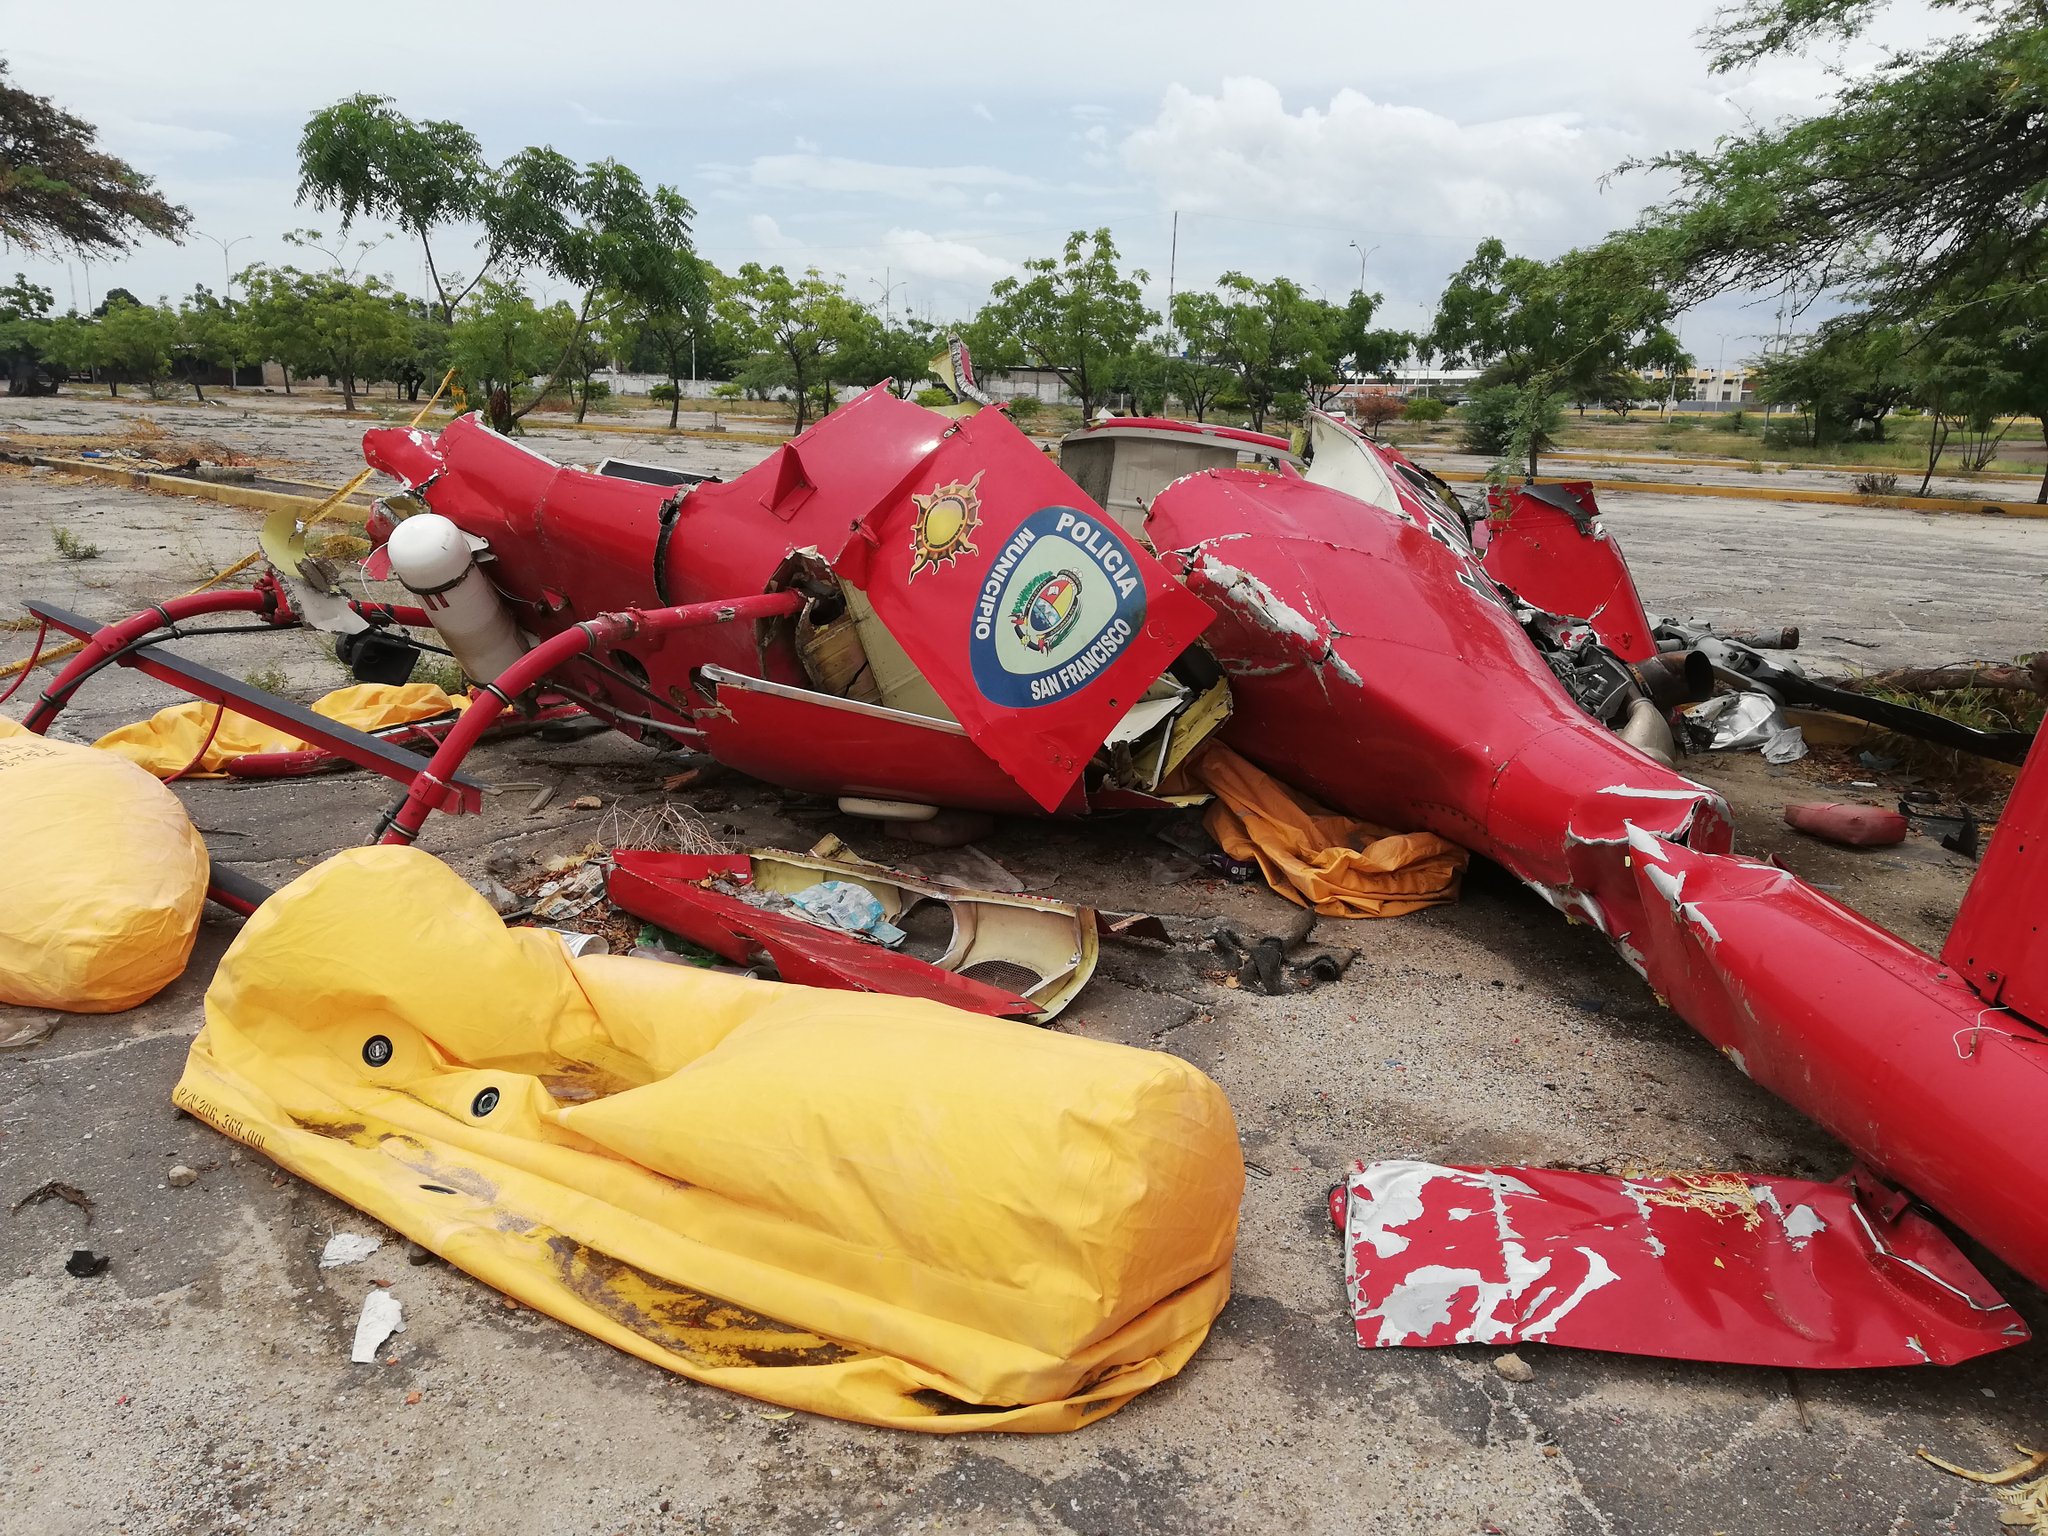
603	632
108	643
1375	663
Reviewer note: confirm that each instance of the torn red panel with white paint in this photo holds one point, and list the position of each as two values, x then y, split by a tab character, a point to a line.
1714	1266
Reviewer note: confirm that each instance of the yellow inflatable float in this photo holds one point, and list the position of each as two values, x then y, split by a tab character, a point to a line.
866	1206
105	881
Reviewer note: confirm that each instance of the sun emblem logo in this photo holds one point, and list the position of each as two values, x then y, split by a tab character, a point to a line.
943	527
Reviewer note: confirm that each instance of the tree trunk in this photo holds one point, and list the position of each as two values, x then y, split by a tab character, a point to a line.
192	378
286	370
113	387
348	394
675	405
1532	460
1937	439
582	398
2042	494
2032	677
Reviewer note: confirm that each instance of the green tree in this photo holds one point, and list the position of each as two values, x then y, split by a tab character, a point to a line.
1924	172
1964	385
1075	314
364	158
133	344
670	330
499	340
426	353
274	299
1198	375
1349	346
1553	331
357	332
1146	375
600	228
1850	371
25	337
58	192
793	327
1270	336
210	334
896	349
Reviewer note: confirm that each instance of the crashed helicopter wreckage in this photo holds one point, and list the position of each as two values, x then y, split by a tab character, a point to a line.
898	607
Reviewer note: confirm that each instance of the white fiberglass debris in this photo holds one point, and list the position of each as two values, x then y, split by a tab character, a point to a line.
1801	1223
348	1248
382	1317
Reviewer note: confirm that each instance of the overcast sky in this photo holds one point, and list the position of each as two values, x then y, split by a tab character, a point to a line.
935	147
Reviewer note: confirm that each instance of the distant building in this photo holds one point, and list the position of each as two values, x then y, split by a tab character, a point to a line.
1041	384
1426	381
1711	389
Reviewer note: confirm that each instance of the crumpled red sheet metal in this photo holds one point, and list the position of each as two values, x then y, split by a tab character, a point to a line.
1375	663
1548	546
1717	1266
665	889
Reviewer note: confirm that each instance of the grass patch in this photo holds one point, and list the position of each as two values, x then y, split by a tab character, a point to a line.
269	679
71	547
442	671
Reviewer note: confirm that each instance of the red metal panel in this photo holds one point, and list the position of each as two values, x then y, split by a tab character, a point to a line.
1727	1267
1996	941
1023	604
662	888
1552	551
828	746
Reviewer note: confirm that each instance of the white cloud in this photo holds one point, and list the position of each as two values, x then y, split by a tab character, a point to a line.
982	112
944	184
942	260
1380	167
769	233
805	146
592	119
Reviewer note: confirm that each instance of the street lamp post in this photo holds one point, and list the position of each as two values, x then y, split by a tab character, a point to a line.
1363	253
227	283
887	287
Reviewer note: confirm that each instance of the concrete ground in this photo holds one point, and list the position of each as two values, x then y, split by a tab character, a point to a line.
202	1384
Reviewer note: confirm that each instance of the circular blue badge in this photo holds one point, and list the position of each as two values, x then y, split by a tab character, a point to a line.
1062	601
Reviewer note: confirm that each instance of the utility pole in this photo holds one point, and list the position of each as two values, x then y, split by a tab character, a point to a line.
1172	259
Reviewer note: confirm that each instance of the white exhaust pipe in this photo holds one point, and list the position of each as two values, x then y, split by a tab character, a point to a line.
431	557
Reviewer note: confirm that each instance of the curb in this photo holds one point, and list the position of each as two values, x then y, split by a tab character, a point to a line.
354	509
729	435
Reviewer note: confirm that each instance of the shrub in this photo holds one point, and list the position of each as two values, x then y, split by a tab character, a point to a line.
71	547
1374	411
1734	421
934	397
1026	408
1873	482
1489	421
1426	409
